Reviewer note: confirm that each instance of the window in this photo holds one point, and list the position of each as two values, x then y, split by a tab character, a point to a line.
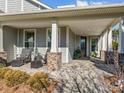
49	38
29	40
94	44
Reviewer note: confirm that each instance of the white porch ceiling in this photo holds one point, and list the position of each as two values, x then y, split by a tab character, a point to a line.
83	27
88	27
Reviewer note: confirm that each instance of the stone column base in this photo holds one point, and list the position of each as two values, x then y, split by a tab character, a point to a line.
103	55
54	61
3	55
3	58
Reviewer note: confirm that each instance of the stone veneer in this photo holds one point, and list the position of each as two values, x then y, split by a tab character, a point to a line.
54	61
3	58
3	55
103	55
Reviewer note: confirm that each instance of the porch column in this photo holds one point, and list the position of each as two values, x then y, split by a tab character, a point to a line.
88	46
1	39
54	42
121	38
3	54
54	57
99	46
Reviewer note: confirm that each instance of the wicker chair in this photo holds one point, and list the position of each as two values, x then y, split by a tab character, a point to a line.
24	58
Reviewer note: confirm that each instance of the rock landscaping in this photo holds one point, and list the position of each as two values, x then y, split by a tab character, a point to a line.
79	76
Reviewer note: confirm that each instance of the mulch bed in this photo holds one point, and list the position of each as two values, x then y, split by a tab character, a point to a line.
24	88
110	81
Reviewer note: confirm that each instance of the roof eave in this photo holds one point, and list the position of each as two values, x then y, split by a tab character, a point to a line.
42	4
80	11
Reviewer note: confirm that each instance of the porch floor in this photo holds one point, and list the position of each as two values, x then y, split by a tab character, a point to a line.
99	67
27	68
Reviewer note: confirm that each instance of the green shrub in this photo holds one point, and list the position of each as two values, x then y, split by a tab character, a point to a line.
15	77
39	81
77	54
114	45
3	71
2	65
93	54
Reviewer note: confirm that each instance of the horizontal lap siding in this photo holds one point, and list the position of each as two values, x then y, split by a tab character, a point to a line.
29	6
2	5
41	41
9	42
71	44
62	44
14	6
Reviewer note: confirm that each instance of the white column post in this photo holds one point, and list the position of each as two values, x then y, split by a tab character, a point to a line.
67	44
88	46
99	45
54	42
1	39
121	38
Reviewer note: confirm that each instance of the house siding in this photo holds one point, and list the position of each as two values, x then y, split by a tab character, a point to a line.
71	45
41	41
9	42
29	6
2	5
14	6
62	43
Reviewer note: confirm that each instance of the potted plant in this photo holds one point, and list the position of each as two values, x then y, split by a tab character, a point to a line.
93	56
114	45
77	54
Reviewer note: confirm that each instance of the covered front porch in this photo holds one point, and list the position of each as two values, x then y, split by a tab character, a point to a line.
59	32
63	36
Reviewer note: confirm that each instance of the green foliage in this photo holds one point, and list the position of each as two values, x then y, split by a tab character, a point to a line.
2	65
115	32
3	71
39	81
93	54
15	77
77	54
115	45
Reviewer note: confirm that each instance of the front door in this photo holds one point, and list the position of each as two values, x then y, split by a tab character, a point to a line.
83	46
